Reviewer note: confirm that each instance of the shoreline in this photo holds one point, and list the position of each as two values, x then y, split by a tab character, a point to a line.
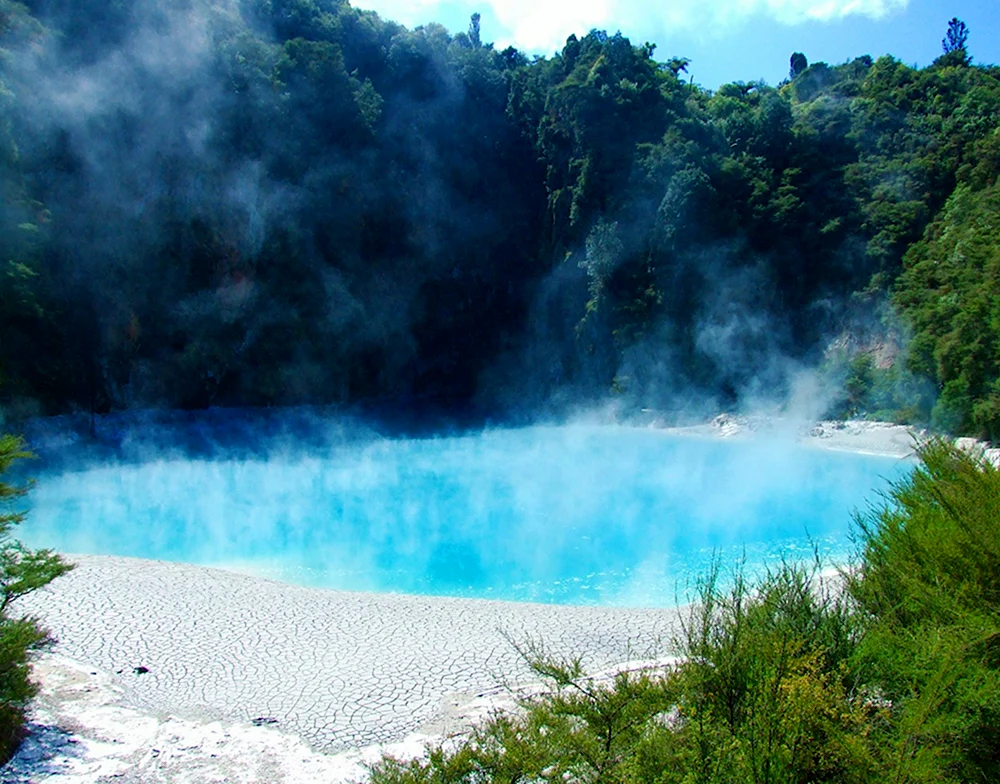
857	436
149	651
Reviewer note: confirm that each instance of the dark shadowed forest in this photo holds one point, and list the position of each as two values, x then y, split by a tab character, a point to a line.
279	202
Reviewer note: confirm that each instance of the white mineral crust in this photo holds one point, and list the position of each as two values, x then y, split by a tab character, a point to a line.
166	672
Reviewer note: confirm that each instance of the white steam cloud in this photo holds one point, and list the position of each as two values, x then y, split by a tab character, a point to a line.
543	25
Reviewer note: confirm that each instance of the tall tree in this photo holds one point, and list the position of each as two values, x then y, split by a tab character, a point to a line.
953	45
956	36
474	34
797	64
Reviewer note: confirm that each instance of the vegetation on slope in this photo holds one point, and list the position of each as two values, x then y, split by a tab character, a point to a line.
316	205
791	679
949	289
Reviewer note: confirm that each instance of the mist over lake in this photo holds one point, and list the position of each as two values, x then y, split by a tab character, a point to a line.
572	514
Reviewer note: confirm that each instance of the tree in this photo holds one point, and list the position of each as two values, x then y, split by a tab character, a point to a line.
953	45
947	293
474	35
675	64
956	36
797	64
604	253
22	571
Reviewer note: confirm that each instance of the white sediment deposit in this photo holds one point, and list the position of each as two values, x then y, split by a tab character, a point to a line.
176	673
861	436
853	435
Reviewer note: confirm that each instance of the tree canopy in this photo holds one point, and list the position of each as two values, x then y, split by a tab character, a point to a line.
316	205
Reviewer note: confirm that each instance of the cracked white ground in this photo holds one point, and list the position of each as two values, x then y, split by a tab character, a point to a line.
162	671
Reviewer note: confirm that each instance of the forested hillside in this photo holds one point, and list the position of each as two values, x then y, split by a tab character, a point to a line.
265	202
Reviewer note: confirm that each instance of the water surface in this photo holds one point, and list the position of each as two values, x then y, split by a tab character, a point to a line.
577	515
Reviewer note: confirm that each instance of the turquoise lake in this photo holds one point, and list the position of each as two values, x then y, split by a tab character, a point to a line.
571	515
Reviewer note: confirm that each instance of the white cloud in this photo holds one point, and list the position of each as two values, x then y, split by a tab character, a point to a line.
543	25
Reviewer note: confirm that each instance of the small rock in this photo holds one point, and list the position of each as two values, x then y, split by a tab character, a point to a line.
140	670
32	754
261	721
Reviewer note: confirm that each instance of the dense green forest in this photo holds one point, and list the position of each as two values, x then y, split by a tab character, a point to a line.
267	202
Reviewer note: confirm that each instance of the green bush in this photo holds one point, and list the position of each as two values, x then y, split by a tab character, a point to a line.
585	729
18	638
760	697
765	697
928	591
22	571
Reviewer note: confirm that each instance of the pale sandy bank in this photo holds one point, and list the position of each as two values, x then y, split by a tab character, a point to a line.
162	670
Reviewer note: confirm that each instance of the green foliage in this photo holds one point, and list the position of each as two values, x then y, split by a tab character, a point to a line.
948	291
586	729
760	696
890	393
22	571
928	588
600	723
764	689
915	130
19	638
371	212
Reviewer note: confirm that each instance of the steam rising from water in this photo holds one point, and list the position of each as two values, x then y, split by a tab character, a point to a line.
575	515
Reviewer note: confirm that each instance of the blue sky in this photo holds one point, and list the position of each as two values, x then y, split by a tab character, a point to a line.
726	40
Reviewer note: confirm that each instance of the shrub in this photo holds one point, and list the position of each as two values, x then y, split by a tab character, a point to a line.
928	593
760	697
765	697
22	571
